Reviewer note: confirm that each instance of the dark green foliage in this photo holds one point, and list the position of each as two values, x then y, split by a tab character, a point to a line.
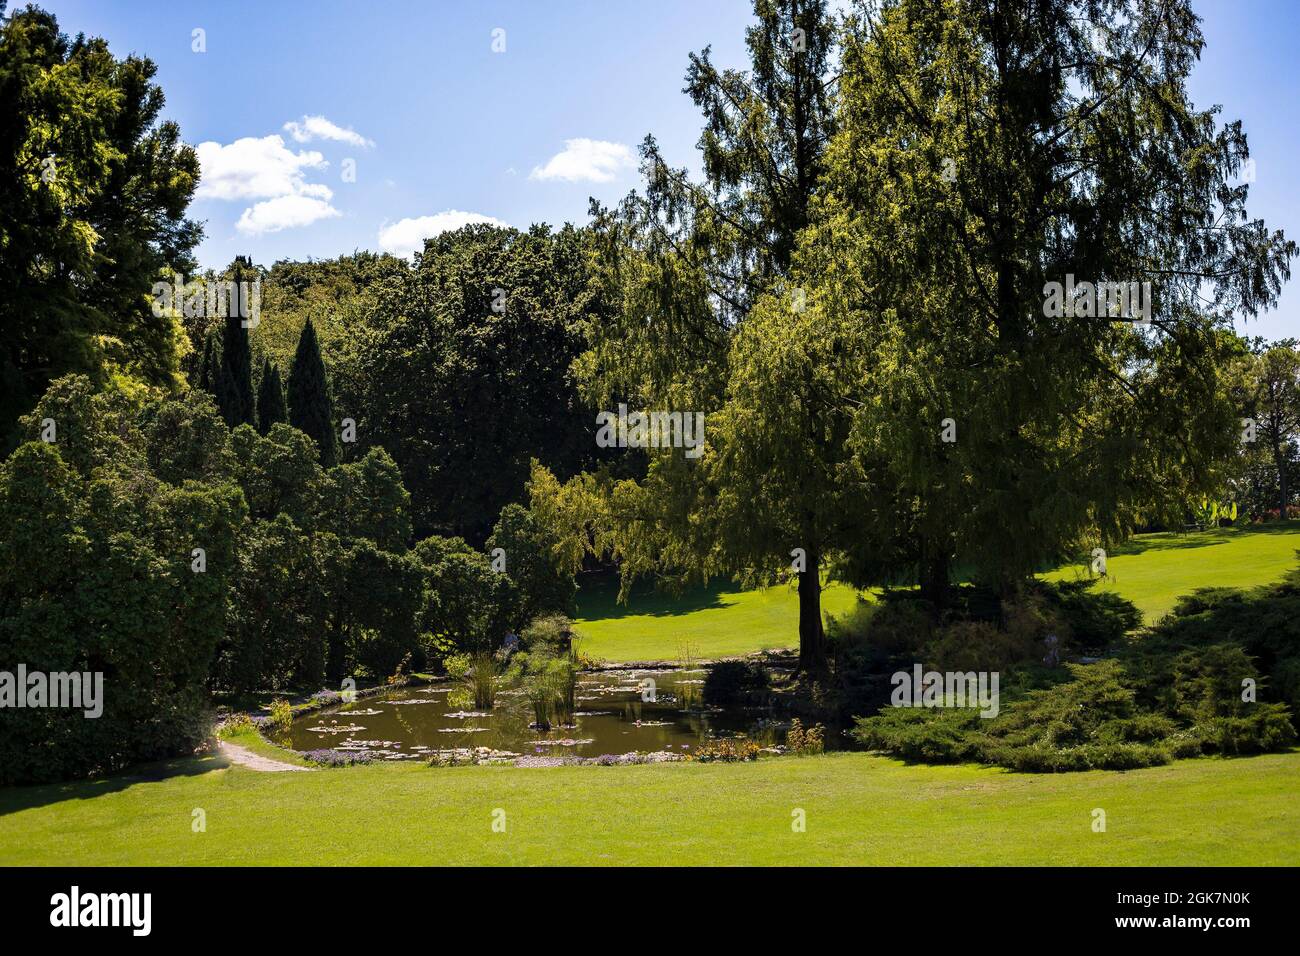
273	637
1096	620
467	605
271	409
731	683
310	408
186	439
1176	690
543	585
96	575
278	473
93	194
466	386
234	379
366	499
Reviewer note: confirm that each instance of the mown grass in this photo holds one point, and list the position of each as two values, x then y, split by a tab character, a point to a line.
859	809
1153	570
1149	570
716	621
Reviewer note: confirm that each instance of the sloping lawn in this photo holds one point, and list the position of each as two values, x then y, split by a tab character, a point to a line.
1153	570
859	809
716	621
1150	570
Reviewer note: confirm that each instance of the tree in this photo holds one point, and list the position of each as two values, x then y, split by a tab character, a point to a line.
466	605
97	575
310	408
93	194
234	380
1274	396
464	370
686	265
271	409
985	152
529	559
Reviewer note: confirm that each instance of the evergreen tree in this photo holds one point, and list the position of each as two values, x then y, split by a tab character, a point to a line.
310	409
235	383
270	398
208	369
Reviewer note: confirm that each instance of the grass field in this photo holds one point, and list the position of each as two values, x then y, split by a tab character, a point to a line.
1150	570
859	809
715	621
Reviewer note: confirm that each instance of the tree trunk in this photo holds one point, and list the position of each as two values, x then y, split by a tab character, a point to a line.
812	640
934	578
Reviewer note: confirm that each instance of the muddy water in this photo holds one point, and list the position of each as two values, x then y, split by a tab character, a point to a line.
618	713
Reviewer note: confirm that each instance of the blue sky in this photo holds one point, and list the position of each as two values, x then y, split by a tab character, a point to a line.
439	127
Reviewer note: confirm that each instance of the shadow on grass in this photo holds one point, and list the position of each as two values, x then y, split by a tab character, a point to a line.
1173	540
598	599
14	799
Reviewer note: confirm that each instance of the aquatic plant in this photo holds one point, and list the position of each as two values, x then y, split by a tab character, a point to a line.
805	741
281	717
481	678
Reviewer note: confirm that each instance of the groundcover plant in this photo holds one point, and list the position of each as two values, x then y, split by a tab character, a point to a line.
773	433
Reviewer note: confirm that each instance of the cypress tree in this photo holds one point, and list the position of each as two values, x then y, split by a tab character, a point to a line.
270	398
208	364
235	383
310	409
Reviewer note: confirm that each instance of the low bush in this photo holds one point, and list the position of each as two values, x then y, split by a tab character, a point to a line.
735	683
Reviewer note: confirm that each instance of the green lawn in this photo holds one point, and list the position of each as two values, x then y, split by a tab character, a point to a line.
1150	570
717	621
860	809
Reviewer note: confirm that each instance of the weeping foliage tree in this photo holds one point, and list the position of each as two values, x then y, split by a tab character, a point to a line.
687	264
987	150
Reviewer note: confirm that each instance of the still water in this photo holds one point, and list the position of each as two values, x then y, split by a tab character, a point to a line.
618	713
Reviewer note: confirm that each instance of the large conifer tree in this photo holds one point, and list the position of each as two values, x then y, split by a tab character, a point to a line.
234	383
270	398
310	408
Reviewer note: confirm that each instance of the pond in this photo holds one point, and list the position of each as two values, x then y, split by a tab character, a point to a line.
619	712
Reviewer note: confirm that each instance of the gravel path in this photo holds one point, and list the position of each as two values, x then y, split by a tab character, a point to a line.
246	758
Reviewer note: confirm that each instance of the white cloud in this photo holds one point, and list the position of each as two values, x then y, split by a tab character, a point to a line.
406	236
264	168
284	212
252	168
586	160
318	127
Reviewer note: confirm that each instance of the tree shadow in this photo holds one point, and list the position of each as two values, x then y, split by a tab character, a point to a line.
598	599
14	799
1177	540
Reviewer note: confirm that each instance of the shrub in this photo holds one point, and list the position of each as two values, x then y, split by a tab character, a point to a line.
550	631
1095	620
1267	727
235	725
933	736
733	683
281	716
